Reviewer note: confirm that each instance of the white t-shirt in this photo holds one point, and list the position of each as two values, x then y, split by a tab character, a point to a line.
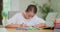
19	19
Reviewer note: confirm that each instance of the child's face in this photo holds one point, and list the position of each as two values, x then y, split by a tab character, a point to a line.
29	14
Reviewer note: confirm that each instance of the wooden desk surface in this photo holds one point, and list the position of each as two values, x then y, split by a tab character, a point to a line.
14	30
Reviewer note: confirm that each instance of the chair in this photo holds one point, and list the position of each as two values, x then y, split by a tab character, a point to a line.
10	14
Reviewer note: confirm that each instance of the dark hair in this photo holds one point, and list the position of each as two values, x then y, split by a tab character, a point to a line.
30	7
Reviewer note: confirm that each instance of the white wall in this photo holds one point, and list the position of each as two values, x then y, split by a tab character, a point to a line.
56	6
21	5
15	5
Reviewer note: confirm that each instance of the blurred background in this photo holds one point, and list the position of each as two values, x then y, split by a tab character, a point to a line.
49	10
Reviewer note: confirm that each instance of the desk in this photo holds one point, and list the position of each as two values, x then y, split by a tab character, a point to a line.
14	30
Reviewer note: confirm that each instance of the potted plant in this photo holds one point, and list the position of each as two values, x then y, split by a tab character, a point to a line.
45	8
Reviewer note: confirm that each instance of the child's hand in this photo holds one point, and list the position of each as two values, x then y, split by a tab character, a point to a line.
23	25
39	26
35	26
